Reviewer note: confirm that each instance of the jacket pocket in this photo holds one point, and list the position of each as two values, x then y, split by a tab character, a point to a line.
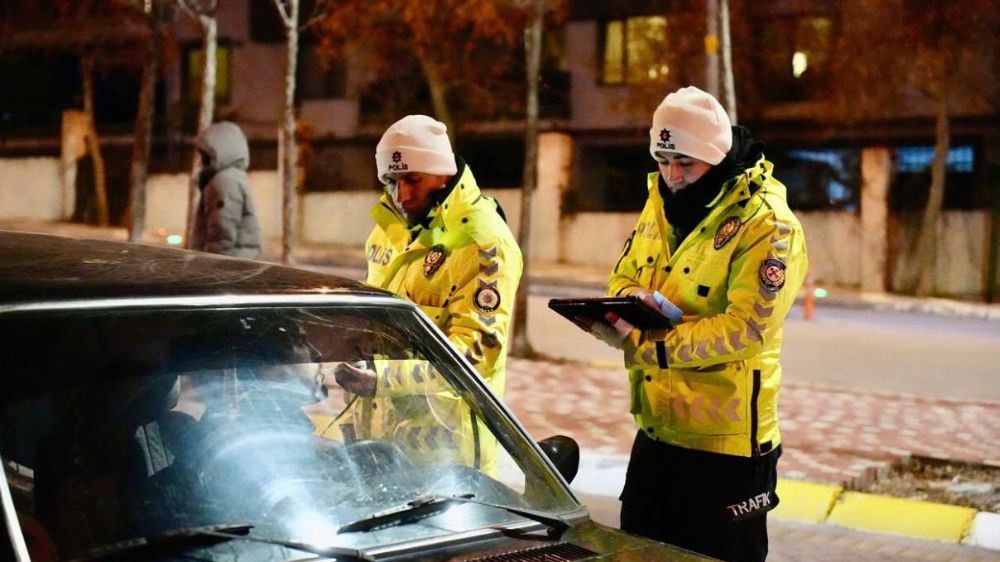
709	401
702	277
433	304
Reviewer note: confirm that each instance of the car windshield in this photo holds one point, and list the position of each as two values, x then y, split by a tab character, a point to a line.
123	423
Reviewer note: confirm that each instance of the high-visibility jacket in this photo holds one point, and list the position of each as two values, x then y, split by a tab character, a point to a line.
711	383
462	269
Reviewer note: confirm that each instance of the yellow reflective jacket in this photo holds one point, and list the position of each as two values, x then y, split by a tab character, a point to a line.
462	270
711	383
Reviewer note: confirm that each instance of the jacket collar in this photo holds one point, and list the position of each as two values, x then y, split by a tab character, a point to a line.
737	189
462	193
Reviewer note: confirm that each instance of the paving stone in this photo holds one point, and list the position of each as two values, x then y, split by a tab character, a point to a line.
830	435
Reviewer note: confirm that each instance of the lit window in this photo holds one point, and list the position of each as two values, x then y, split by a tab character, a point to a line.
195	65
812	44
635	50
792	56
914	159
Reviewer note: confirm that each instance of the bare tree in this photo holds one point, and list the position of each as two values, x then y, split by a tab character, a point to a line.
99	34
726	43
521	347
717	37
93	141
202	12
942	63
442	42
156	22
289	12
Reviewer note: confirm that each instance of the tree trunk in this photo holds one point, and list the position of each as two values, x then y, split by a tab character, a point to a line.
926	252
206	112
438	88
712	47
993	260
289	151
93	141
533	49
728	88
144	129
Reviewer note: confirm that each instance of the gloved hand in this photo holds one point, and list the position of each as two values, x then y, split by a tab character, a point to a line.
355	379
662	304
613	332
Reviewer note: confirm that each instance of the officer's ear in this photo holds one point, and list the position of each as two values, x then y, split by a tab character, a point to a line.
443	180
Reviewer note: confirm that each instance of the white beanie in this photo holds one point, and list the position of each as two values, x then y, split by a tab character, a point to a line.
691	122
415	143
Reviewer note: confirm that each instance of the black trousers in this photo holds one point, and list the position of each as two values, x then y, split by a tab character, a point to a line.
706	502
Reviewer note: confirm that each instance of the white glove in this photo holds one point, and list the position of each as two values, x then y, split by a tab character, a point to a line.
613	332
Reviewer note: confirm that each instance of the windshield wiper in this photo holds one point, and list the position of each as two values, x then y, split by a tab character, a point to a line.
167	538
208	533
429	506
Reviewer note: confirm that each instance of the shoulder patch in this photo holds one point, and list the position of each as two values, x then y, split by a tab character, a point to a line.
772	274
487	297
726	231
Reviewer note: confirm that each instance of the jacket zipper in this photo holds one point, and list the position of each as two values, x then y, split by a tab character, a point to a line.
754	393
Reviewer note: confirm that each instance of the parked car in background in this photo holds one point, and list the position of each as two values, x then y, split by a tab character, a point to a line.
160	404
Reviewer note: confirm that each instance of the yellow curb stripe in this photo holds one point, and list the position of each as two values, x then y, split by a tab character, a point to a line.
900	516
607	364
808	502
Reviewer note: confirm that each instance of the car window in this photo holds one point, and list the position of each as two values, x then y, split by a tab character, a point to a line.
122	423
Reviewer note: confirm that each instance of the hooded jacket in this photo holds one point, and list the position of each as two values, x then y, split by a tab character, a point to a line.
226	220
711	383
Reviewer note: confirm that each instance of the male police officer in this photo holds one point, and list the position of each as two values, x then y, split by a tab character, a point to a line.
717	249
441	243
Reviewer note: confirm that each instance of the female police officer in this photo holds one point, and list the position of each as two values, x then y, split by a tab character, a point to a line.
717	248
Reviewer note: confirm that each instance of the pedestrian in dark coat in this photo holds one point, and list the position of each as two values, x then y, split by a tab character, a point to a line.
226	221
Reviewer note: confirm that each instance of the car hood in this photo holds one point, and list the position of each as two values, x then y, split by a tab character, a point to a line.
613	544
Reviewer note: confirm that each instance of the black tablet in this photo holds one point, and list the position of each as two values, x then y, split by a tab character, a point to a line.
630	308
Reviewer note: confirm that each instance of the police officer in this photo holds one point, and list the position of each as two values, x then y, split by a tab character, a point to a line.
717	249
441	243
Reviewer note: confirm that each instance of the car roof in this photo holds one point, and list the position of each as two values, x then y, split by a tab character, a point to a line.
45	268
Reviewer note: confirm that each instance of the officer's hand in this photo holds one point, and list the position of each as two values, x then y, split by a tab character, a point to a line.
355	380
661	304
612	332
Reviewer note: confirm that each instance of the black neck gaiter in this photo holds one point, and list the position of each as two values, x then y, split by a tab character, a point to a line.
689	206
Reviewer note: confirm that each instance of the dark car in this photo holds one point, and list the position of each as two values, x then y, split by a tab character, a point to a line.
160	404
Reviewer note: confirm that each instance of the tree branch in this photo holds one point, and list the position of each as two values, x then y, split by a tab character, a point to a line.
187	9
319	11
283	12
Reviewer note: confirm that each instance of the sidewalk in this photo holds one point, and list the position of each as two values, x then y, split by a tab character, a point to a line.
833	439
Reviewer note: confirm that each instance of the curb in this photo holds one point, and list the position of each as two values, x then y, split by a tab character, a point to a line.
827	504
810	502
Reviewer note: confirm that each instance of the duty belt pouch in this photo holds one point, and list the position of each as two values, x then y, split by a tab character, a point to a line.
757	495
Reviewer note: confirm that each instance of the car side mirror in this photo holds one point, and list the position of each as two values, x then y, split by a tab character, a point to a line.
564	454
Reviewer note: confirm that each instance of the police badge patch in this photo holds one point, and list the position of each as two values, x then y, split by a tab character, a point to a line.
726	231
772	274
433	260
487	297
